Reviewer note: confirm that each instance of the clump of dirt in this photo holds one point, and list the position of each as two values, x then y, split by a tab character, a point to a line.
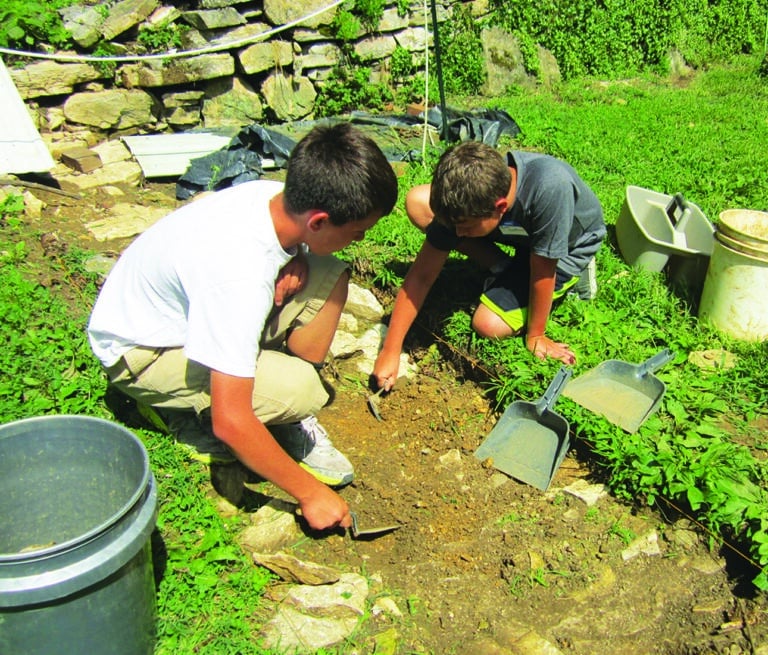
478	551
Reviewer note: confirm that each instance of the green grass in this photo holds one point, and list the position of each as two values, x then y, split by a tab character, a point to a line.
210	593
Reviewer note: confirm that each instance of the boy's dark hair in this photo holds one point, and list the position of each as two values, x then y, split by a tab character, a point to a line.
337	169
468	180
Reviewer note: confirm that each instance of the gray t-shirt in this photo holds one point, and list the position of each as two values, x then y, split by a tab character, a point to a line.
555	214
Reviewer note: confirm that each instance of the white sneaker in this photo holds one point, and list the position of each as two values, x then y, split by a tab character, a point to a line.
307	442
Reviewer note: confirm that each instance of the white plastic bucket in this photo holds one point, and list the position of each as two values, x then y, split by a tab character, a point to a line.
737	276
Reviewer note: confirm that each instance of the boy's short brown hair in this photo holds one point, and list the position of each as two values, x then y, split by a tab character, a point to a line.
340	170
468	180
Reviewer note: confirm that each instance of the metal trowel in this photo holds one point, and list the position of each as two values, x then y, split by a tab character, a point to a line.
373	403
370	533
364	533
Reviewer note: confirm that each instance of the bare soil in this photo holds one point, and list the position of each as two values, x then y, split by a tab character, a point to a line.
480	556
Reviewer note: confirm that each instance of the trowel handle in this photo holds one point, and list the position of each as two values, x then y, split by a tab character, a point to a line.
676	204
657	361
553	390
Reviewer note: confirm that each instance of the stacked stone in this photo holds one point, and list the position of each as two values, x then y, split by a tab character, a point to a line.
237	77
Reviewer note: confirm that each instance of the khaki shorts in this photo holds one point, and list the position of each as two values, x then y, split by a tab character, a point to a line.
285	389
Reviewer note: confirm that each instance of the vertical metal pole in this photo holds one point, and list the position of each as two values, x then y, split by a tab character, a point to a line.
435	32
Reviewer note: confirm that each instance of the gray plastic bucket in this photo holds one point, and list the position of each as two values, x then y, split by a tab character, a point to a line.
656	232
78	505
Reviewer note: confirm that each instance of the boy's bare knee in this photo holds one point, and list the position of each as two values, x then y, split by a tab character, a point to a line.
490	326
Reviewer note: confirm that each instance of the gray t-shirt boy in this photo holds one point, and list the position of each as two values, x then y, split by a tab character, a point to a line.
555	214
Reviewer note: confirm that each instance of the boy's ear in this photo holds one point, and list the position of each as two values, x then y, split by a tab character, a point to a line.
501	205
316	220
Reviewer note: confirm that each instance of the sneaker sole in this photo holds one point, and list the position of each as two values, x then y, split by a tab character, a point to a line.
325	479
206	458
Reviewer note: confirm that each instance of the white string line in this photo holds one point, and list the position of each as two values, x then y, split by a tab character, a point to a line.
174	54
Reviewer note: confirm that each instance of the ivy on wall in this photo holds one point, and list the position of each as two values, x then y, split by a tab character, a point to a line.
620	37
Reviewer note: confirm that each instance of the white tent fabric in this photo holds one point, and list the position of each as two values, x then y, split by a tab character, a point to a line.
22	149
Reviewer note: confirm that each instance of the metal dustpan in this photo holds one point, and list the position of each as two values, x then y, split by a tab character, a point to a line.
625	394
530	440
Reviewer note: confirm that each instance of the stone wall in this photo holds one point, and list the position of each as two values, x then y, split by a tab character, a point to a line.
236	77
240	62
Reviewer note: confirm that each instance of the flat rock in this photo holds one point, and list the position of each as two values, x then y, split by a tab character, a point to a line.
292	569
125	220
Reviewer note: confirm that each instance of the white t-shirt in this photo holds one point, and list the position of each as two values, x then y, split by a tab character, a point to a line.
203	278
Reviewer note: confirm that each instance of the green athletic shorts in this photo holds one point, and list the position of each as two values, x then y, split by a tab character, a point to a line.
507	294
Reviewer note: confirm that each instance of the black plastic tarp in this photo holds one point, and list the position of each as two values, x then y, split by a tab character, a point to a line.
243	157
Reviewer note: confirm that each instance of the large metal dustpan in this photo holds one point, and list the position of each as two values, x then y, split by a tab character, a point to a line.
625	394
530	441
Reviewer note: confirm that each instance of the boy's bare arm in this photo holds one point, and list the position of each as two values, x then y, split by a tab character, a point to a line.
418	281
543	274
236	425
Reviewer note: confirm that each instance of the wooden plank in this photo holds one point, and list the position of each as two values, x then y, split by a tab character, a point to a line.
22	149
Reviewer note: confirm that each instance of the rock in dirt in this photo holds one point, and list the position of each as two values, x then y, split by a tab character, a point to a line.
712	359
125	220
313	617
272	527
292	569
586	492
645	545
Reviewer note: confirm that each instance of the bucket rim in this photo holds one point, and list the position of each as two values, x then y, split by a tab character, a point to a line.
761	259
747	247
88	536
740	232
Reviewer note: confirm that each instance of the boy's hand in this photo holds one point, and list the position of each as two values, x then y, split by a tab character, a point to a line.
291	279
542	347
325	509
385	369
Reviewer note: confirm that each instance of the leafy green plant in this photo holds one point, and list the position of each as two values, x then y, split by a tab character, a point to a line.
210	589
11	209
463	63
162	37
400	63
621	38
624	534
47	364
106	67
345	26
530	52
349	88
370	12
26	23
